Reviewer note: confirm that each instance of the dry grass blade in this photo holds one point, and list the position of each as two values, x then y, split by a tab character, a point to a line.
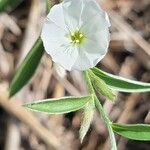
121	24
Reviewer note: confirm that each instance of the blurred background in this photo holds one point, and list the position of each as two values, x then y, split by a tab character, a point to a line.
128	56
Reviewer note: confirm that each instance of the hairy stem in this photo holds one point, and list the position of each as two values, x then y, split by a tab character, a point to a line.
101	110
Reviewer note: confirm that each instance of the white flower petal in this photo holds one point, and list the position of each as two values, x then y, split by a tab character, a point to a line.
56	15
53	37
66	56
82	62
80	12
96	24
97	42
93	49
91	10
107	19
52	31
63	27
72	12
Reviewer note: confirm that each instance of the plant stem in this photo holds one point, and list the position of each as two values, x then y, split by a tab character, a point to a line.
107	122
88	82
101	110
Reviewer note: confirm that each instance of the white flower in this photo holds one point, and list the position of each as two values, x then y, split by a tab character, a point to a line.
75	34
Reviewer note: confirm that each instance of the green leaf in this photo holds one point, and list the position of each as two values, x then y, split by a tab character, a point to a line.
27	67
59	105
135	131
7	4
101	87
120	83
48	5
87	117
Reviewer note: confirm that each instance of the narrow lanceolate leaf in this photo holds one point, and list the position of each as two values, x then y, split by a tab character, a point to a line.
27	68
7	4
120	83
87	117
136	131
59	105
101	87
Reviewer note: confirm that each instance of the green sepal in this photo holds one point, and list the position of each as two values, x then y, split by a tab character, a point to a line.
87	117
101	87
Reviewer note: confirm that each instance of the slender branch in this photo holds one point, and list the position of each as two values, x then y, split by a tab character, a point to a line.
101	110
107	122
88	82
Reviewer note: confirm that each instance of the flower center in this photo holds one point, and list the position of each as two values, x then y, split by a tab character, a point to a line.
76	37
